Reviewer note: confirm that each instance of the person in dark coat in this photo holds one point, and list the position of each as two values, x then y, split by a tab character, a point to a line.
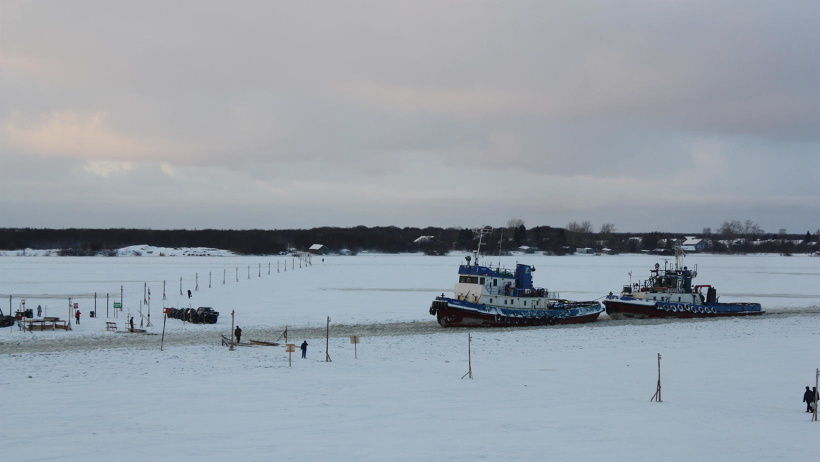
131	322
189	293
808	398
237	333
304	349
77	317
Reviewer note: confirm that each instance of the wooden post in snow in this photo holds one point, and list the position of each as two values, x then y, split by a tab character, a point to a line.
816	380
327	342
284	334
657	395
232	313
469	358
164	318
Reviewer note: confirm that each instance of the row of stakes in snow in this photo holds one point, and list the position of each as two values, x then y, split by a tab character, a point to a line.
7	320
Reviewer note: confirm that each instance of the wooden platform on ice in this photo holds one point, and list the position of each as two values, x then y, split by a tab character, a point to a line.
228	342
264	343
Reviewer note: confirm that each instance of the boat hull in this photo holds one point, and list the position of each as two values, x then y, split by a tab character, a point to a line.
625	307
458	313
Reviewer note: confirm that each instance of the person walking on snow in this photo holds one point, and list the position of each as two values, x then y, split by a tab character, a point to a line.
189	293
304	349
237	333
808	398
77	317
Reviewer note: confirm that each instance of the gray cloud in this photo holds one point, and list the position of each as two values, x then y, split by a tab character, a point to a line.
284	114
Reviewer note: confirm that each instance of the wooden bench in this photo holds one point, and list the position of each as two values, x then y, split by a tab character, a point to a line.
111	326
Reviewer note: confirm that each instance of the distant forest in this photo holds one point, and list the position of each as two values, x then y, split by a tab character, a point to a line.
731	237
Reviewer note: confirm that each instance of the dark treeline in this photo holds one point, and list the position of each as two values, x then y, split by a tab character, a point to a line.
391	239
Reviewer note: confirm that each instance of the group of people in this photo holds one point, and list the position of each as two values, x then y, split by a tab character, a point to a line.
810	397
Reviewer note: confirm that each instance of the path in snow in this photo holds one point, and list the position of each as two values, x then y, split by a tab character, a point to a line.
212	334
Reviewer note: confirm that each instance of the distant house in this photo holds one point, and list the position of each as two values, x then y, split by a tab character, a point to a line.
526	249
424	239
693	245
585	251
318	249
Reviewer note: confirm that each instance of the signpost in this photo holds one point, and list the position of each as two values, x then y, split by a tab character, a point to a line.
290	348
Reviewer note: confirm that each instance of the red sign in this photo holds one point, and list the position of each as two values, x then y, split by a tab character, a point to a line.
76	305
166	310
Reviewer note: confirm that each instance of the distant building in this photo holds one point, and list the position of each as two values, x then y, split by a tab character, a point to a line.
424	239
585	251
693	245
318	249
526	249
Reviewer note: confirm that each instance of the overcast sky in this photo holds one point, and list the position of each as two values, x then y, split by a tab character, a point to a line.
652	115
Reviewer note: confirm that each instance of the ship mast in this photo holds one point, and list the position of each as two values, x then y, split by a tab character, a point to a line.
481	232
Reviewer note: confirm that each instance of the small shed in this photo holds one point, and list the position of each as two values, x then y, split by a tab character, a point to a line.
318	249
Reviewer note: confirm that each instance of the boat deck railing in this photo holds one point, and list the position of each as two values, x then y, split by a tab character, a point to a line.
513	292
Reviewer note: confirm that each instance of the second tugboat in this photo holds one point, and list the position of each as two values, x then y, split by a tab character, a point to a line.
668	293
497	297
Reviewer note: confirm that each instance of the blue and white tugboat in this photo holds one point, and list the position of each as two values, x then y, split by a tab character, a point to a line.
668	293
496	297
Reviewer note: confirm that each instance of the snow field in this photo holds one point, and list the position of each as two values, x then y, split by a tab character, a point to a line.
731	387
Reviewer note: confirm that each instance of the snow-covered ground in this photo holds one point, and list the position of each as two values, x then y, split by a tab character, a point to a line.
731	388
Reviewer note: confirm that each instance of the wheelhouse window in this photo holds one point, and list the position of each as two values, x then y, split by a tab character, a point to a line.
468	279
